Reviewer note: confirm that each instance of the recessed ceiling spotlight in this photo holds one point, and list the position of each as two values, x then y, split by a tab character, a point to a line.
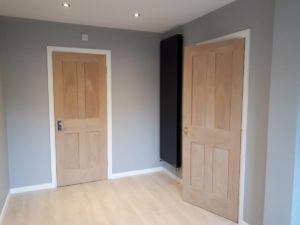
66	5
136	15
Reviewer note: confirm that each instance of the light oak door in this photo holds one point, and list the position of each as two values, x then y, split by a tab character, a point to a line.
212	122
81	117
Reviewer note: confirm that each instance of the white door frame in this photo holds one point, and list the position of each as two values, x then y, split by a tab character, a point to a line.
247	35
107	53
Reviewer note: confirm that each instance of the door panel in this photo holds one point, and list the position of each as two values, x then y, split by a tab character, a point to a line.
197	165
223	89
91	90
220	172
199	90
70	87
80	104
92	145
71	148
212	116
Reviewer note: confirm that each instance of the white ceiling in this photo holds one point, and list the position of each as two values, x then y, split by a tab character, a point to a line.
156	15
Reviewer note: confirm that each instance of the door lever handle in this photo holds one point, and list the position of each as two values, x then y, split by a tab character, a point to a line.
186	130
59	125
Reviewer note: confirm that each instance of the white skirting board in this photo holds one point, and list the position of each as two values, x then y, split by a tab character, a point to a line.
4	209
178	179
145	171
113	176
243	223
135	173
31	188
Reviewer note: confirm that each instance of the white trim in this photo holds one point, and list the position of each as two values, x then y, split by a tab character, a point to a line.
32	188
136	172
50	50
145	171
178	179
4	209
247	35
243	223
113	176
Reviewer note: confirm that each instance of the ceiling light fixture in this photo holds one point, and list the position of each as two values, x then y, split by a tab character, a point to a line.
66	5
136	15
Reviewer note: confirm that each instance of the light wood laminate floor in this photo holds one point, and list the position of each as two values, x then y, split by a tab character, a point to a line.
152	199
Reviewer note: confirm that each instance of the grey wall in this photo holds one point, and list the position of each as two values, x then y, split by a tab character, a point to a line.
4	174
284	99
135	95
296	192
240	15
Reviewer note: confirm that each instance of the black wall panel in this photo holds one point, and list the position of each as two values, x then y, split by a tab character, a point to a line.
171	54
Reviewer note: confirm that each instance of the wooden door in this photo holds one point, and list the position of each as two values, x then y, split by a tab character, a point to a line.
81	117
212	122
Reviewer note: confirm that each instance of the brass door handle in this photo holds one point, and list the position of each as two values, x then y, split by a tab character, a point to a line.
186	130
